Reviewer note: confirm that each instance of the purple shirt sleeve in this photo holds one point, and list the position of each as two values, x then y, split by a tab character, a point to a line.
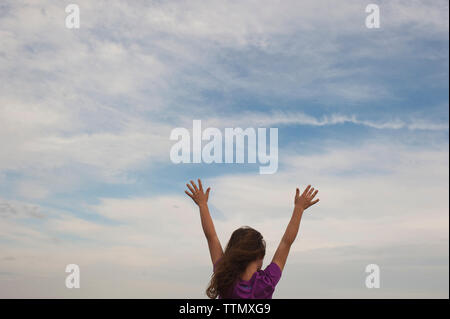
272	273
265	282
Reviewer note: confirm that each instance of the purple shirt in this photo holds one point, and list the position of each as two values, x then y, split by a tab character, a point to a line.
260	286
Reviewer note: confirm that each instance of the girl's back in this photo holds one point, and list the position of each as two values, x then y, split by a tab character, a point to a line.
260	286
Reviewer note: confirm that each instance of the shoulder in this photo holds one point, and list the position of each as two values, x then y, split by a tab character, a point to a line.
271	274
265	281
268	278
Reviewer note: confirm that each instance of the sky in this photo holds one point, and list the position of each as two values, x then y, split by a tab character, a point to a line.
86	115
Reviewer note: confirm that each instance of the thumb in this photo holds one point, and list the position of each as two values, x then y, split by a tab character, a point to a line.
207	193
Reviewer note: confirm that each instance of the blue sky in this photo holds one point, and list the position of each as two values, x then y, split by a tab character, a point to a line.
86	114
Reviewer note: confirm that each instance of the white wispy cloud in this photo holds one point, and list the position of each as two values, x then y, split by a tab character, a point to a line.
267	119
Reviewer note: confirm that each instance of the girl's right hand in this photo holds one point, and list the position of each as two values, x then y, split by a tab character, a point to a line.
306	199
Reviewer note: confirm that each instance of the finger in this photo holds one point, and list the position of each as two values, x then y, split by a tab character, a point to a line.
190	188
306	190
314	194
200	186
297	192
311	190
207	193
313	202
189	194
195	186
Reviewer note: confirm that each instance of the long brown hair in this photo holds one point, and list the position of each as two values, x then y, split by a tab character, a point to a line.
245	245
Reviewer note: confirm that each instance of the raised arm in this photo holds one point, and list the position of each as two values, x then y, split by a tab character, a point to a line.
300	204
201	199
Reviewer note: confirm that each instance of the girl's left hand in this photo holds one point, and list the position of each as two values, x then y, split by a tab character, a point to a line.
197	194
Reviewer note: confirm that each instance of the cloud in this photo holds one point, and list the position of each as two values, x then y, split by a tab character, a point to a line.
357	222
14	209
248	119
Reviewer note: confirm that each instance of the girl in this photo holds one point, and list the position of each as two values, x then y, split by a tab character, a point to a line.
237	272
